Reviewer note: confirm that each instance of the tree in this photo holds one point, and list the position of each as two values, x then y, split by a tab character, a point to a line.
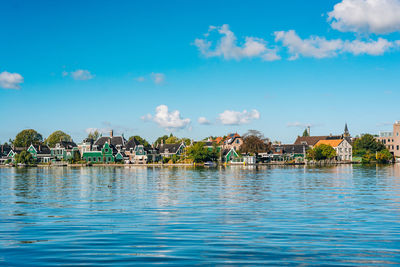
199	153
305	133
321	152
172	140
24	158
384	156
94	135
141	140
161	138
76	157
367	143
27	137
56	137
254	142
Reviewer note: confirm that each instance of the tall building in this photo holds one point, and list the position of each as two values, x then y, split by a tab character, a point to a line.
391	139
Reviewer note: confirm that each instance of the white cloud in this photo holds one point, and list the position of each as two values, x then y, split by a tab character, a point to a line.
80	75
298	124
228	48
374	48
100	130
167	120
146	117
315	46
158	78
203	120
319	47
140	79
10	80
231	117
366	16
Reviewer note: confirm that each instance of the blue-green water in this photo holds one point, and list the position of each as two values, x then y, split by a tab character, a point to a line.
346	215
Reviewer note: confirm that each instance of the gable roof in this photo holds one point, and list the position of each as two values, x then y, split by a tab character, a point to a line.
332	142
42	149
115	141
172	148
309	140
67	144
132	143
291	149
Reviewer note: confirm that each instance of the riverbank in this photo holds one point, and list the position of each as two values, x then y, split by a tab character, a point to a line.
185	165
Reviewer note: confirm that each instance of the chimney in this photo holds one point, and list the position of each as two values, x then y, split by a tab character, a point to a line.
40	148
162	141
111	133
309	130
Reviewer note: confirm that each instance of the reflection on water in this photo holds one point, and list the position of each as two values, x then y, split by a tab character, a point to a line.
249	215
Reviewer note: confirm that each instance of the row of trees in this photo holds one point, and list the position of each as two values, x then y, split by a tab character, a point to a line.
371	150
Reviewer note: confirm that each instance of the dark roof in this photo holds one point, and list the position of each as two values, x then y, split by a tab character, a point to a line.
67	144
309	140
4	150
132	143
115	140
291	149
172	148
42	149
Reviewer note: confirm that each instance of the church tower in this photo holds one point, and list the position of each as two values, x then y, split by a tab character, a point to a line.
346	131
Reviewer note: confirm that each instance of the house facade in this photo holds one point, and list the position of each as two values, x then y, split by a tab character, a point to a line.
344	150
391	139
64	150
40	153
104	155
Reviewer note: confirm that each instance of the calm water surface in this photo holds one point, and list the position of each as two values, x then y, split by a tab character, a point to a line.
346	215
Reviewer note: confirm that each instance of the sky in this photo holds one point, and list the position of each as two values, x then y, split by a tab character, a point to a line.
199	68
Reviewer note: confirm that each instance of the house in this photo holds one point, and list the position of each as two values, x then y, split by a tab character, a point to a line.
233	141
4	150
391	139
168	150
40	153
311	141
342	147
103	155
116	141
85	146
64	150
228	154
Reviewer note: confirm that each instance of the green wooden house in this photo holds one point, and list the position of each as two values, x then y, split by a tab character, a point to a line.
105	155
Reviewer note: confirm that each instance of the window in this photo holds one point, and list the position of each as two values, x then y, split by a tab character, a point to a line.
94	159
89	159
99	159
106	150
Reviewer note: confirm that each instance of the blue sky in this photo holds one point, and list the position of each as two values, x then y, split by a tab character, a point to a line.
153	67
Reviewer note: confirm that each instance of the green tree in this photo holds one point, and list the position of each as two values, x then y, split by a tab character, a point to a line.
254	142
199	153
141	141
94	135
305	133
172	140
76	158
56	137
161	138
367	144
321	152
384	156
27	137
24	158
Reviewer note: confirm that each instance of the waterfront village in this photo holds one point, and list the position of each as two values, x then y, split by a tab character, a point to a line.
29	148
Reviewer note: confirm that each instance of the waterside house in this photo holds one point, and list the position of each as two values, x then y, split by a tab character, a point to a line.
343	148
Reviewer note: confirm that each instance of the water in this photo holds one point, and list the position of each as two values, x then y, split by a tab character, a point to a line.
346	215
